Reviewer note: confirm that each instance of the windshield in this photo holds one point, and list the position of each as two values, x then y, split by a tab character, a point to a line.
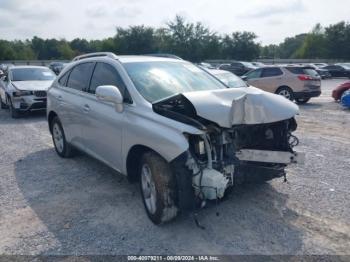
158	80
231	80
32	74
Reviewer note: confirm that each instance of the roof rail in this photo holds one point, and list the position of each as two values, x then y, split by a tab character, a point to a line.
97	54
165	55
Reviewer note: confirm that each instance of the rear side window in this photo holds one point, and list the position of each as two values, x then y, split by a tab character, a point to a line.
79	78
295	70
270	72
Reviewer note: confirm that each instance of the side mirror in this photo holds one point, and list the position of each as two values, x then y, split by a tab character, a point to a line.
244	78
110	94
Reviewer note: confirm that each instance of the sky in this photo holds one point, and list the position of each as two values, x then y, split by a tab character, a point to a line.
271	20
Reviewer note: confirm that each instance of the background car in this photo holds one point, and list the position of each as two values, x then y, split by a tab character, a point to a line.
238	68
228	78
293	82
323	73
258	64
24	88
57	67
345	99
338	70
339	90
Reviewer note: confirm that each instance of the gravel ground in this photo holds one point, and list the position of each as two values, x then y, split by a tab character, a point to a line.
50	205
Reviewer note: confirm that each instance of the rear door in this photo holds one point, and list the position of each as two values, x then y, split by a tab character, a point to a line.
271	79
71	96
103	131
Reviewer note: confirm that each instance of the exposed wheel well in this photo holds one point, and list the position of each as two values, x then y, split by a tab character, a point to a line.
51	116
133	161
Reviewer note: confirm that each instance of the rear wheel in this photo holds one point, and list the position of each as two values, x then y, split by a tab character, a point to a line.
62	147
158	188
285	92
302	101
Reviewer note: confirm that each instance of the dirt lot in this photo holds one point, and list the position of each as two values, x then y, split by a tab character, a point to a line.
50	205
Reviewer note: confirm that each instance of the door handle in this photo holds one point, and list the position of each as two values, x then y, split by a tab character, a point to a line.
86	108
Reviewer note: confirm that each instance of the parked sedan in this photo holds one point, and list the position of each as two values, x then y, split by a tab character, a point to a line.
24	88
238	68
339	90
323	73
338	70
293	82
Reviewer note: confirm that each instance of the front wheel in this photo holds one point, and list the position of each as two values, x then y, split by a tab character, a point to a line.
158	188
302	101
62	147
285	92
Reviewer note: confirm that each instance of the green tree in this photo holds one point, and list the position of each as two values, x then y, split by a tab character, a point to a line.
240	46
289	47
338	40
134	40
314	45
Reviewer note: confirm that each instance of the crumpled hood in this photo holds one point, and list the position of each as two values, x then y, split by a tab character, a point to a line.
235	106
32	85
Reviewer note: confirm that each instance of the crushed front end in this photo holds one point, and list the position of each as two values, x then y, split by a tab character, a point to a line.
224	157
230	151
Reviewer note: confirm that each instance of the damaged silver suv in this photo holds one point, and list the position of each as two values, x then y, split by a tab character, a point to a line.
170	125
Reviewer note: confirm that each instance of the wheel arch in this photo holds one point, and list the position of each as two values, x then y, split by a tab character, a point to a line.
133	160
283	86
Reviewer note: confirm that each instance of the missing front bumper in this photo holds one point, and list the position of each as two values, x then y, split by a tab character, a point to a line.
277	157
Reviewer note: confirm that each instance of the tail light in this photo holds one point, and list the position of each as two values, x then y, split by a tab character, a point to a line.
305	77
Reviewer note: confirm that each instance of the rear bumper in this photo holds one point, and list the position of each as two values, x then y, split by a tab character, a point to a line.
307	94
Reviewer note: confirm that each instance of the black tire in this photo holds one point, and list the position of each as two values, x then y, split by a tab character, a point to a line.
164	188
66	150
286	92
2	104
13	111
302	101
